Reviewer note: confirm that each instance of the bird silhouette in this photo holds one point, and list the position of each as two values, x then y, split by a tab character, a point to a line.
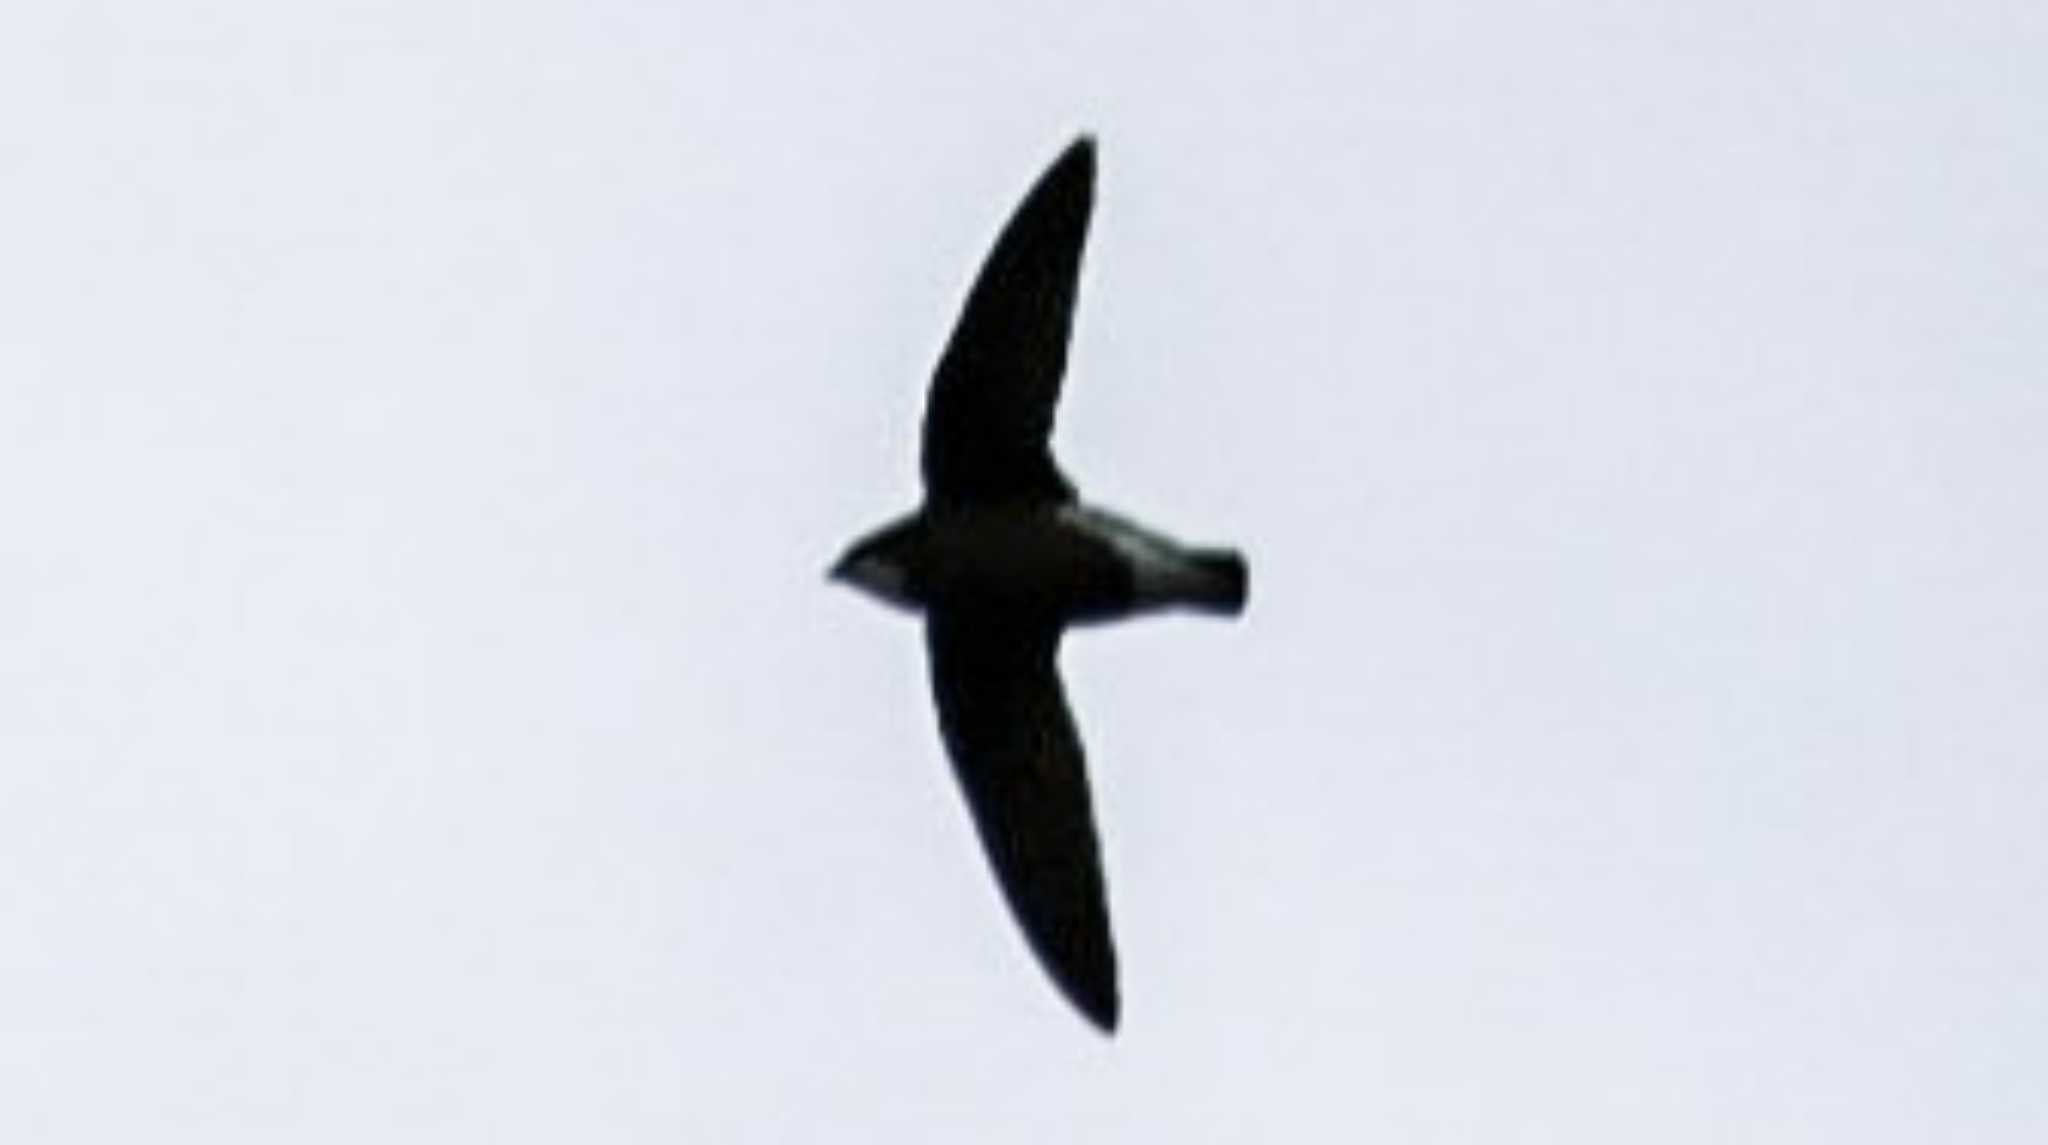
1002	557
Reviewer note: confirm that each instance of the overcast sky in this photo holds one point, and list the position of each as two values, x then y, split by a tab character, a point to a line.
424	427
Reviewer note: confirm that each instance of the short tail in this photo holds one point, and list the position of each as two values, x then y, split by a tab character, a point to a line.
1221	581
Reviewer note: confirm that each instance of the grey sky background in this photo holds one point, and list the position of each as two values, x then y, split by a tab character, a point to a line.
424	427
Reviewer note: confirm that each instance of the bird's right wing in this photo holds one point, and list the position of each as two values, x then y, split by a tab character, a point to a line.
988	420
1019	761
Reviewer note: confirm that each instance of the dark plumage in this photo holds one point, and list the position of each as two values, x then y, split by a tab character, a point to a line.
1001	558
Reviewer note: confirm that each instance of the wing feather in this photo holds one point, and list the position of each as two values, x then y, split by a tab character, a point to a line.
988	421
1018	757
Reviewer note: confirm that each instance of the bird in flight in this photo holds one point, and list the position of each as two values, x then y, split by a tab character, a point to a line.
1002	558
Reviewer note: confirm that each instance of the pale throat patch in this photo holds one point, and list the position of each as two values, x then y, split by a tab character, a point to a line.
883	578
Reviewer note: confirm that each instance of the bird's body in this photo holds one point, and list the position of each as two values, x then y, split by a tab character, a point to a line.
1065	563
1002	558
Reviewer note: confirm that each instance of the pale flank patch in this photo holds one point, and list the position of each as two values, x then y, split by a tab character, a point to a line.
1161	568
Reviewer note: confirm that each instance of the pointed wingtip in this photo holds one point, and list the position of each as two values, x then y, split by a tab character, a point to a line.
1081	152
1094	995
1106	1019
1075	166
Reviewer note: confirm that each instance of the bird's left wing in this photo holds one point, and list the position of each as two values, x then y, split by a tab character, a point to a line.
1018	757
988	421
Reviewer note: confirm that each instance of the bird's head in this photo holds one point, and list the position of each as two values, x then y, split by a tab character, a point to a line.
883	564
